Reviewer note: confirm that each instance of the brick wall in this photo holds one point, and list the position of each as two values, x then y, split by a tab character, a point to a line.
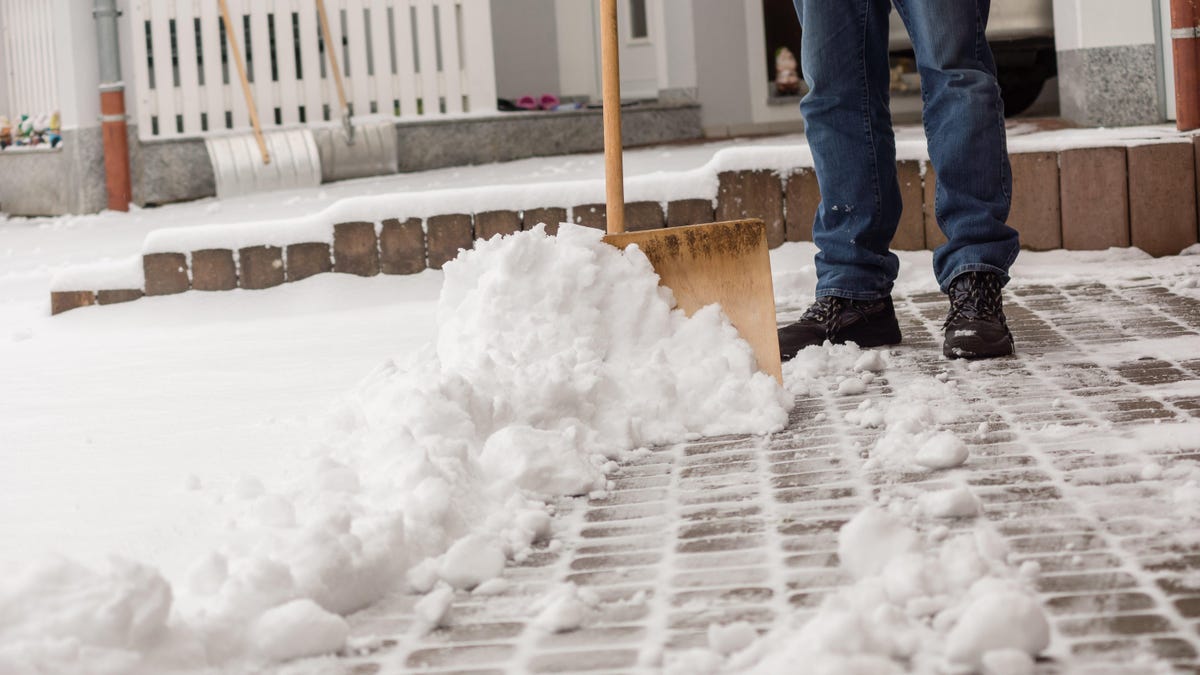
1079	199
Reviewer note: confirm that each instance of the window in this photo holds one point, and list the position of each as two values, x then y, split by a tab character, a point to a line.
639	27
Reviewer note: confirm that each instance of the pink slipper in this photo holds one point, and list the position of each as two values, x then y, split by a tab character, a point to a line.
548	102
527	103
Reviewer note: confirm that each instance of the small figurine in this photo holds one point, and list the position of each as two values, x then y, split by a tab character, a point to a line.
787	76
6	132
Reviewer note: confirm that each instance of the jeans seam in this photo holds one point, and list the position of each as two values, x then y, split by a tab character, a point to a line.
864	16
850	295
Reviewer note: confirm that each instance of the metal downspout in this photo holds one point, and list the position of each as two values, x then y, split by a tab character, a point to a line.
112	107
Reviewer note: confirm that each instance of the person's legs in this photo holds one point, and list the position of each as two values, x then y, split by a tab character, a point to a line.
964	125
848	123
844	60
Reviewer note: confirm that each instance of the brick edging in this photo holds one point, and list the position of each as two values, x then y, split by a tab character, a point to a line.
1077	199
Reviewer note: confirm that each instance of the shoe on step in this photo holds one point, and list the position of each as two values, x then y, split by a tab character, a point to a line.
976	327
867	323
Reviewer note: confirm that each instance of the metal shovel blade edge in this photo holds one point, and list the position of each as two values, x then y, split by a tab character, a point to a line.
726	263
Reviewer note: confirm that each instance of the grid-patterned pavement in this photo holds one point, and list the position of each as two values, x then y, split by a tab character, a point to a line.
744	528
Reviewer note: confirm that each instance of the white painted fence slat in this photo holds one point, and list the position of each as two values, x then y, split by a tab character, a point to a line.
405	58
233	91
285	52
427	77
406	79
215	104
141	70
451	72
259	62
189	67
381	53
164	77
310	62
358	87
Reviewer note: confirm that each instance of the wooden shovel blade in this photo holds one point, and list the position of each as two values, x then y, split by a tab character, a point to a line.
725	263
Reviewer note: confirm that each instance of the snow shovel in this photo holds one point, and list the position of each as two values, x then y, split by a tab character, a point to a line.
284	159
355	151
725	263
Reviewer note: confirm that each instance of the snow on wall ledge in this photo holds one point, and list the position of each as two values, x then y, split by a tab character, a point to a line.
1081	189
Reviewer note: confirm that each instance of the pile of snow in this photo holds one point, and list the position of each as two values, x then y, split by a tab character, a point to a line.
920	602
554	356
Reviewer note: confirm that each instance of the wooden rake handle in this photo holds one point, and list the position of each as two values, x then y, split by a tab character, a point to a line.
241	69
610	75
331	49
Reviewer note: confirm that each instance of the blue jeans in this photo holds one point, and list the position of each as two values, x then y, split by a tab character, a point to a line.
844	58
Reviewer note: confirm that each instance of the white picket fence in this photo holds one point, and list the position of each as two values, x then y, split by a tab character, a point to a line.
30	72
404	58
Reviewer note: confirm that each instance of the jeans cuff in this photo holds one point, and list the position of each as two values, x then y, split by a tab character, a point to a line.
850	295
974	267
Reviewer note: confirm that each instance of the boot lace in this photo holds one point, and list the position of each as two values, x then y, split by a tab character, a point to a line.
824	310
976	296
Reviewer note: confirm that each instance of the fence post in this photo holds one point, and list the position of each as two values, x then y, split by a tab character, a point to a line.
112	107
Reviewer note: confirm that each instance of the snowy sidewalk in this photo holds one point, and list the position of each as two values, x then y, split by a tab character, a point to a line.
1065	456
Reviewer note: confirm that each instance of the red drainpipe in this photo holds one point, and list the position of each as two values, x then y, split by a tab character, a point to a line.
112	107
116	146
1185	40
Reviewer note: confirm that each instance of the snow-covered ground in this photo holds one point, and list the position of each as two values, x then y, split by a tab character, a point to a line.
158	430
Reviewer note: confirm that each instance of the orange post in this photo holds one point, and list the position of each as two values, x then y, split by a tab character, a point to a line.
1185	41
113	130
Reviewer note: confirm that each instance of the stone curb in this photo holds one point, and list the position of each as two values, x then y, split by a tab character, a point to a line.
1076	199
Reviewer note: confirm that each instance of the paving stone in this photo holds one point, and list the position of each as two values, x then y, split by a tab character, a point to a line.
112	297
260	267
910	235
802	194
62	301
355	249
1094	193
302	261
1162	197
590	215
401	246
752	194
214	270
550	217
491	223
165	273
583	661
689	212
1036	211
446	236
644	216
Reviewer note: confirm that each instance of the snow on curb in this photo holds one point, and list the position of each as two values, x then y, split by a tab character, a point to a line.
554	356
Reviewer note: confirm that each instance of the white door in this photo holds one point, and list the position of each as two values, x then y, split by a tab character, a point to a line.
639	38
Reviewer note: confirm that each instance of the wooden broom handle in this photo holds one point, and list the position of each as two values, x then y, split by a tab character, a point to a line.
241	69
614	177
331	49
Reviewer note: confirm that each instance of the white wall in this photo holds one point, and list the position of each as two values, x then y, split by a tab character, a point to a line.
578	51
525	42
677	46
77	63
1085	24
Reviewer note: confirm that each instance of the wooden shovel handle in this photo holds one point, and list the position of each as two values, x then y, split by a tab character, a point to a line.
331	49
241	69
610	75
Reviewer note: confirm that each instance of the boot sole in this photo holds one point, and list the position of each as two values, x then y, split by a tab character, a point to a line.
975	348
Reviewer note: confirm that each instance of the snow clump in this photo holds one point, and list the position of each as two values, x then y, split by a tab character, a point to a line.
916	605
